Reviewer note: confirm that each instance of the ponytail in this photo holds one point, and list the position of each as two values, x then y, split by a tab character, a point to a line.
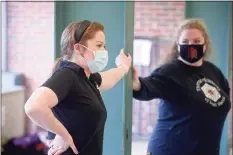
57	63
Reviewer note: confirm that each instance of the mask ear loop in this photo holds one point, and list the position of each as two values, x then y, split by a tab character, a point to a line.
88	49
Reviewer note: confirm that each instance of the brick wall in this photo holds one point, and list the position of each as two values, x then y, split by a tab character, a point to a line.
155	20
158	18
30	41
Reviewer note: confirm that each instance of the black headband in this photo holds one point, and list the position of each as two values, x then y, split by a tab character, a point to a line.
80	31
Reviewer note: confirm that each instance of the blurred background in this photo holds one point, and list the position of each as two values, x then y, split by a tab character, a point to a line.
30	43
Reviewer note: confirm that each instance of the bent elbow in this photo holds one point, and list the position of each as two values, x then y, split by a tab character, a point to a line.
32	110
29	110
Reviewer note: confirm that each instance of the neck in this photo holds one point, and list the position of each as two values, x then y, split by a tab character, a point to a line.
87	72
196	64
80	61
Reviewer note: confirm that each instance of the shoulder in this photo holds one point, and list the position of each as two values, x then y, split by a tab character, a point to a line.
212	65
64	73
61	82
215	68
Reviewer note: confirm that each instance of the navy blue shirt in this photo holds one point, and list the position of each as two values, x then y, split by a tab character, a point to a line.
80	107
194	105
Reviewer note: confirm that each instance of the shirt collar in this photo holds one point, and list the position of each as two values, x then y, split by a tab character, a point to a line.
73	66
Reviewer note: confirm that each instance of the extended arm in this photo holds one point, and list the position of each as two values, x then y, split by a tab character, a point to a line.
111	77
151	87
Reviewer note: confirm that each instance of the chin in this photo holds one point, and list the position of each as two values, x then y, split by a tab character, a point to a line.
198	63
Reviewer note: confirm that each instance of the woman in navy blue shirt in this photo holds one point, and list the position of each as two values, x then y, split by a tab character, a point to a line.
194	96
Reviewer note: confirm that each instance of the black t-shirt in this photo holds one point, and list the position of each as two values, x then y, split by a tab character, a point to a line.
194	105
80	107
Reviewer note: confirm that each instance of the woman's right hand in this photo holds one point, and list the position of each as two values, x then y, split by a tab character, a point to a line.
122	60
136	82
61	144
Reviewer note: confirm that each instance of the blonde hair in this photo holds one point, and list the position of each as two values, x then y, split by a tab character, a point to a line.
189	24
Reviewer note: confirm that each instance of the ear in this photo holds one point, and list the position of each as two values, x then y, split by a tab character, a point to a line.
204	48
177	46
76	47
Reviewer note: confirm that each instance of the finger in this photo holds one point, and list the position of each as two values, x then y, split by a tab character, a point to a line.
134	69
50	143
59	152
129	57
74	148
122	51
52	151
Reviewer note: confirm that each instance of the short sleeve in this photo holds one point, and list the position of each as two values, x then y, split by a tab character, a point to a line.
61	83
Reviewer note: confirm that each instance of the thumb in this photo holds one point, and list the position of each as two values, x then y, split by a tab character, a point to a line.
135	71
74	148
129	57
122	51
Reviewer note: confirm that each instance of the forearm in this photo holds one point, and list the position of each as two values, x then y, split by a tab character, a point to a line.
111	77
144	90
44	118
138	92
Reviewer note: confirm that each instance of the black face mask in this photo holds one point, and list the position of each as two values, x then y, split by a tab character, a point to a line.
191	53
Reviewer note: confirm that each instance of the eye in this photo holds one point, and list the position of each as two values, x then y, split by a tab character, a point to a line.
184	41
99	46
197	41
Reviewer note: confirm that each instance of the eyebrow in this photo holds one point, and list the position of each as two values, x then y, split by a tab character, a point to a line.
101	43
194	38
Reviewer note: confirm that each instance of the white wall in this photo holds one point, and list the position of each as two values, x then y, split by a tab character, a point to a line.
13	115
3	34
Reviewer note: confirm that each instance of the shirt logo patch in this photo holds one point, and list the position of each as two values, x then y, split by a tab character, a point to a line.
211	92
192	53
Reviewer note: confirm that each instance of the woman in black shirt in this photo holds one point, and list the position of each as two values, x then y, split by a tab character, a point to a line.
69	104
194	96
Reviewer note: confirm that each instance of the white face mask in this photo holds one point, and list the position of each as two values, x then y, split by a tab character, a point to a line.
100	61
